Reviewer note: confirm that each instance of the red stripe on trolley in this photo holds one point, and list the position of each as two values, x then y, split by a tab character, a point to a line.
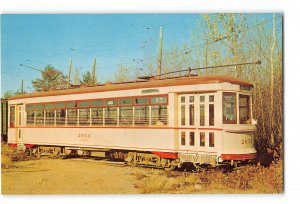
166	155
174	151
240	157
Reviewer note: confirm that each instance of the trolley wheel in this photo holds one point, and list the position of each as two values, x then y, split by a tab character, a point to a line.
169	166
131	159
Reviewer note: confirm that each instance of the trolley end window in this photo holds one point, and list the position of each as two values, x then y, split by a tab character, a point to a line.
229	108
244	109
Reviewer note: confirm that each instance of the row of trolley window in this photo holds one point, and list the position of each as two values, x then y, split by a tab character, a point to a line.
190	140
122	111
151	110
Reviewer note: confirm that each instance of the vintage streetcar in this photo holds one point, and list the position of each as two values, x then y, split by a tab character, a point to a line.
198	120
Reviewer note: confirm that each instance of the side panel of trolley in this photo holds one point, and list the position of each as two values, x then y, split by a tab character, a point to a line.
238	142
115	138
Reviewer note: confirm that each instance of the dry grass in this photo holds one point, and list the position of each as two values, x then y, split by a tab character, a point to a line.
249	179
6	159
9	156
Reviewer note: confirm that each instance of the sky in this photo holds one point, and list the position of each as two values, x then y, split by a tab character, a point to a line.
113	39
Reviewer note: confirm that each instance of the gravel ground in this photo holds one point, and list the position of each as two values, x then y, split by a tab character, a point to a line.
71	176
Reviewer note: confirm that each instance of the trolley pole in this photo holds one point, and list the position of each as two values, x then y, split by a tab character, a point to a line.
94	72
22	86
69	74
160	52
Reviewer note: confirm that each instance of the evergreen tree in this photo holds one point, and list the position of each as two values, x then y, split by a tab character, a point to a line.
51	78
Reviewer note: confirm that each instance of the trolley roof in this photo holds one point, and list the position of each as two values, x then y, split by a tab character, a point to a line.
179	81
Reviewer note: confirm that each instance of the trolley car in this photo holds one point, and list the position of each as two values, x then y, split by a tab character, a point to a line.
200	120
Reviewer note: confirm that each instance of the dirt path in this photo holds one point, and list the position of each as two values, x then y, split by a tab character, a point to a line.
88	176
74	176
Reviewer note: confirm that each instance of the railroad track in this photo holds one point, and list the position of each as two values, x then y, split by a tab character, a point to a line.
187	169
101	161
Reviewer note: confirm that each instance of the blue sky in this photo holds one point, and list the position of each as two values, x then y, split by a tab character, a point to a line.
38	40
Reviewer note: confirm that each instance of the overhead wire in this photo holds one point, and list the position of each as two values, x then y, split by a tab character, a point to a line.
147	28
210	67
186	50
189	49
117	38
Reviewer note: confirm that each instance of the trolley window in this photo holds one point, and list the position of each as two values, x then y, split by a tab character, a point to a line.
60	117
97	116
111	116
30	118
192	138
34	107
191	98
96	103
111	102
84	104
12	116
244	109
141	101
202	110
141	115
72	117
182	114
4	118
211	98
192	114
49	106
202	115
245	88
202	139
202	99
229	108
126	115
71	104
211	114
182	98
39	117
182	138
211	139
159	100
60	105
84	116
125	101
159	115
50	117
29	107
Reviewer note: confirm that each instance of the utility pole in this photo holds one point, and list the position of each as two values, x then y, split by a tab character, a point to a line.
160	52
94	72
272	46
22	86
69	74
206	64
